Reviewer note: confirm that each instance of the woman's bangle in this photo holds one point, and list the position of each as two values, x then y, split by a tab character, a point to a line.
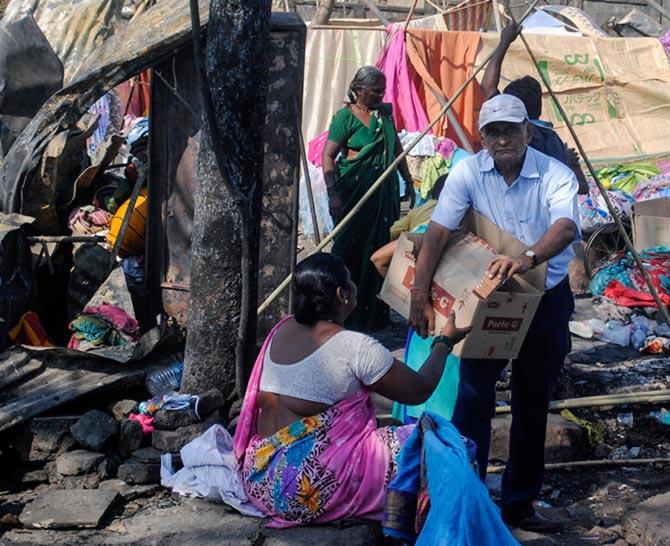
417	289
443	339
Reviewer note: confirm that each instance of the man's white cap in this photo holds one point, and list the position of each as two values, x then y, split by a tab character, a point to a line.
502	108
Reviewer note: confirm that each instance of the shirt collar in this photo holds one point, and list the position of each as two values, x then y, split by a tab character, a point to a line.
528	170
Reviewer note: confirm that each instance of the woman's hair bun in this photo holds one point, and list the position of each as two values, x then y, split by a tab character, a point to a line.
315	283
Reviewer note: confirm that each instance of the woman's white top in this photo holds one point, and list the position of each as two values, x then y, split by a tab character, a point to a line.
333	372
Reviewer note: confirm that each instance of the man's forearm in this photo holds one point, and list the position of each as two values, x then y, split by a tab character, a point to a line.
429	255
555	240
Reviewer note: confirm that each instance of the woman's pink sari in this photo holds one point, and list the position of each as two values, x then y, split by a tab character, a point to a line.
330	466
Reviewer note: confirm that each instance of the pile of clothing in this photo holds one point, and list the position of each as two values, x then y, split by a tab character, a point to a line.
104	325
633	326
626	184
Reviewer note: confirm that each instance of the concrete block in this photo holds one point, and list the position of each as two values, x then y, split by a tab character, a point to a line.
63	509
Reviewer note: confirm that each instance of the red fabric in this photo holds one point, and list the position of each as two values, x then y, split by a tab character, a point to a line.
145	421
629	297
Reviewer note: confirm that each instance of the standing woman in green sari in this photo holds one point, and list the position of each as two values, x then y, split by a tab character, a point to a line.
364	132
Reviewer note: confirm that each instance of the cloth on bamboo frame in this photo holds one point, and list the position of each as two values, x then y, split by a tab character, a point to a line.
318	469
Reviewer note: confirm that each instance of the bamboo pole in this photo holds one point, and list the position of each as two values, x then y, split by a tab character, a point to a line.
368	194
603	400
629	245
410	14
660	9
438	8
378	14
499	469
308	180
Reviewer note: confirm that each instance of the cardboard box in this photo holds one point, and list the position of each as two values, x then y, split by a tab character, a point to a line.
500	323
651	223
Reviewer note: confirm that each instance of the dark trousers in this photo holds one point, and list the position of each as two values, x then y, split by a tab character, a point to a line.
534	374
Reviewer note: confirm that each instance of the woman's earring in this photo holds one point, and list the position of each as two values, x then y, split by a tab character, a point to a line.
346	302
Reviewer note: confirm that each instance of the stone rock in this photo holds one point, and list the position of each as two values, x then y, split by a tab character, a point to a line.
528	538
87	481
122	409
129	492
650	521
171	441
564	442
76	463
35	477
173	419
135	473
148	455
63	509
94	429
108	468
40	439
130	437
212	400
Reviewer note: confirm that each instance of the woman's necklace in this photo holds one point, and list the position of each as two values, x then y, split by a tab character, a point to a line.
363	109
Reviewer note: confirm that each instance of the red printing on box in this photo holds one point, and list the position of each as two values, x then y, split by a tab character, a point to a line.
442	300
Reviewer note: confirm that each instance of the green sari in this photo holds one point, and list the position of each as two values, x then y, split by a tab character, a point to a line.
369	229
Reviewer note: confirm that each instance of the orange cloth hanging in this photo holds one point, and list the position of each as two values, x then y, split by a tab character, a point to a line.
444	60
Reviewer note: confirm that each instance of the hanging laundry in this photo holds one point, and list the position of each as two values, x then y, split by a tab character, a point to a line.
443	61
315	149
408	111
88	220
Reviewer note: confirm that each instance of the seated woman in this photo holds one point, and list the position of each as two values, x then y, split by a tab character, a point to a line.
307	438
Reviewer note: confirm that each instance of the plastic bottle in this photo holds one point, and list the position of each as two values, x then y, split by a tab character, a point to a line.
166	380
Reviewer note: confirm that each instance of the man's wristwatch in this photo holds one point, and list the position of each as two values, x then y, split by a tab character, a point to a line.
532	256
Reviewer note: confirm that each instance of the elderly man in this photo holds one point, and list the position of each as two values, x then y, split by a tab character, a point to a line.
534	198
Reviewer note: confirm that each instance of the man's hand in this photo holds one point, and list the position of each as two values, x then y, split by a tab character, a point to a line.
421	313
504	267
334	206
509	34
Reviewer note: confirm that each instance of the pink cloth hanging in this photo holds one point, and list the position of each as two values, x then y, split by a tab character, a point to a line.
409	113
315	149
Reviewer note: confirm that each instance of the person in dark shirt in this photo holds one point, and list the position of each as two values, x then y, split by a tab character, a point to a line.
529	91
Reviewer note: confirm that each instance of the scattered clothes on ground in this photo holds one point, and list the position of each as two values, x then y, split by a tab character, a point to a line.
436	475
151	406
88	220
103	325
29	331
656	345
662	416
210	471
622	281
145	421
595	432
607	309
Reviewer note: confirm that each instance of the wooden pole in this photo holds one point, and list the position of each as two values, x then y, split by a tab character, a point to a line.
652	289
339	227
438	8
410	14
499	469
308	184
604	400
378	14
